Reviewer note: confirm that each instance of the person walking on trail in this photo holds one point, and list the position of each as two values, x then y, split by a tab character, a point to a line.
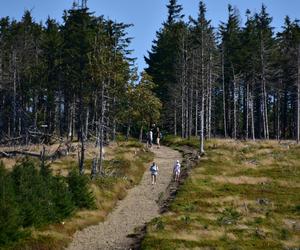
150	138
176	171
154	173
158	137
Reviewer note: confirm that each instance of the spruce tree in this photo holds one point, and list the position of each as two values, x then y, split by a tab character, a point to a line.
9	209
162	61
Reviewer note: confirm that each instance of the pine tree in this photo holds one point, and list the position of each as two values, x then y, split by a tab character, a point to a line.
77	35
9	209
230	33
265	39
161	62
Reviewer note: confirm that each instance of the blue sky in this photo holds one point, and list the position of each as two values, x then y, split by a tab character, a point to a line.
148	15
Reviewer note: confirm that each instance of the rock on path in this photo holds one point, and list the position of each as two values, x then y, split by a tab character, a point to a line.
138	207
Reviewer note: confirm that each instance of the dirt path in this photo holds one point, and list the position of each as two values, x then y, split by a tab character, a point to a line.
139	207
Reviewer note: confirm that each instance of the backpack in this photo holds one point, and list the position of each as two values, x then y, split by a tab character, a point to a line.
153	168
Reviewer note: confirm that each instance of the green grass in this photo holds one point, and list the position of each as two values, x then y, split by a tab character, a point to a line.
242	195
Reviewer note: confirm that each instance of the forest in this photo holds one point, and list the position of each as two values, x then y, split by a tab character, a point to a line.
238	80
75	110
73	81
76	79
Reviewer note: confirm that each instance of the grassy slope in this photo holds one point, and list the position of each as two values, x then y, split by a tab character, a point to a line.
241	196
127	161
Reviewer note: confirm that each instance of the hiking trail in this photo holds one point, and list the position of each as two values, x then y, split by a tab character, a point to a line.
138	207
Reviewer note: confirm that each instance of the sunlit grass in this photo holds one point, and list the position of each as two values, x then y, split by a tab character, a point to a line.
242	195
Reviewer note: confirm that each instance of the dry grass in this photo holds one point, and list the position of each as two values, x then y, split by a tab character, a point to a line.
107	191
241	180
242	195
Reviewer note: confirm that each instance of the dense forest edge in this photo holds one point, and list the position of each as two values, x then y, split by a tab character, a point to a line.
72	100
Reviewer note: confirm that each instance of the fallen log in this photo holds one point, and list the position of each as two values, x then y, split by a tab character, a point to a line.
59	152
13	153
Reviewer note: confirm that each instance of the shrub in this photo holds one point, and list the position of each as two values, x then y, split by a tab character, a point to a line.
228	216
31	194
9	212
79	188
42	197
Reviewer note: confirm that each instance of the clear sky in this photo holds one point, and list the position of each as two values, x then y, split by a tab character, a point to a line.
148	15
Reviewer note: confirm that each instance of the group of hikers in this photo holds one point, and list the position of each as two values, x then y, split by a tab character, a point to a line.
154	134
154	172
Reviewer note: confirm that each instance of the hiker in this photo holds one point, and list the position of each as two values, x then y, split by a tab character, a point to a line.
176	171
150	138
154	173
158	137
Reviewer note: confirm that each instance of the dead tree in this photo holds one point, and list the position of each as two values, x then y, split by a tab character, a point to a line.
298	96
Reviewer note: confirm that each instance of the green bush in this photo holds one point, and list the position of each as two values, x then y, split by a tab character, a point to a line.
42	197
30	196
9	213
79	188
60	195
229	216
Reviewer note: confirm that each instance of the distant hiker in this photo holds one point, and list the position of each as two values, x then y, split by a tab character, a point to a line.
158	137
150	138
176	170
154	173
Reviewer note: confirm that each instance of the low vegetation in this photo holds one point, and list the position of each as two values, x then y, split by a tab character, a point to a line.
242	195
40	209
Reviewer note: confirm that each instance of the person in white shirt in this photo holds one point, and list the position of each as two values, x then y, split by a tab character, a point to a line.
150	138
176	171
154	172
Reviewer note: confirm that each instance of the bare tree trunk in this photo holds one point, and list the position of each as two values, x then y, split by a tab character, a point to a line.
224	95
182	112
298	97
95	118
35	111
114	122
277	121
186	111
87	122
72	120
202	123
107	118
196	112
191	111
278	116
15	93
206	101
252	112
264	93
202	96
81	130
1	71
141	133
209	96
234	106
247	111
101	130
265	99
128	130
175	118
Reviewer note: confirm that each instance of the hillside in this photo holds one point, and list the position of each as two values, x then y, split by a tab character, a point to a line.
242	195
